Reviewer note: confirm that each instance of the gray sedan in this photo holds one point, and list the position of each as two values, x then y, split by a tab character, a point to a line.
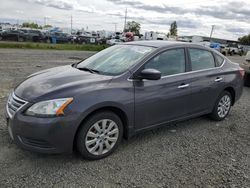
121	91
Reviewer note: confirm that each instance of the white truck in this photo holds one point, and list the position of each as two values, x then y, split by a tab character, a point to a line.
246	67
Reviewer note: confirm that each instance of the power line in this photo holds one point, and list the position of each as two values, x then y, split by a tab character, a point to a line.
115	26
45	20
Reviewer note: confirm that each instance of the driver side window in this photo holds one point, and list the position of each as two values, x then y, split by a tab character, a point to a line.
169	62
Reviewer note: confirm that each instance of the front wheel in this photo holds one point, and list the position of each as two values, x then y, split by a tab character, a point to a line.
222	106
100	135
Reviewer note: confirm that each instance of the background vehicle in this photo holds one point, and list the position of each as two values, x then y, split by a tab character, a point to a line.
235	49
33	35
224	50
15	35
58	37
246	67
86	40
114	41
248	57
119	92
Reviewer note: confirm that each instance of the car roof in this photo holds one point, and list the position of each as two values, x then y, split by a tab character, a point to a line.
162	44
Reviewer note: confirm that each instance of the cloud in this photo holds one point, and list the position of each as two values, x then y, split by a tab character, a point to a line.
156	8
59	4
193	18
182	23
228	11
63	5
236	10
236	30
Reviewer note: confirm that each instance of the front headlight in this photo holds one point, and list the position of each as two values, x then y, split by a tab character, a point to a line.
49	108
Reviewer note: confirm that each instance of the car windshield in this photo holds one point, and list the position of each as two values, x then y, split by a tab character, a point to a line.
115	60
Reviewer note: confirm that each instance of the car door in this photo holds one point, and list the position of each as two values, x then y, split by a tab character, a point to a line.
160	101
206	80
10	35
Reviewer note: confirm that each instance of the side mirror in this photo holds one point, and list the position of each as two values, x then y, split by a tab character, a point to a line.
150	74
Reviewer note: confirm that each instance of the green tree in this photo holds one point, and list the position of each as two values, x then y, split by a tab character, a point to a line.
173	29
31	25
133	27
47	26
245	39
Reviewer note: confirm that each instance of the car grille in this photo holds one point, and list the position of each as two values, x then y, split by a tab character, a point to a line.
14	104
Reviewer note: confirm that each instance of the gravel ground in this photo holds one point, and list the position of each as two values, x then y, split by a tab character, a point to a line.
194	153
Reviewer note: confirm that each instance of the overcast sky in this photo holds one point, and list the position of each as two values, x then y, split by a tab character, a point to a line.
194	17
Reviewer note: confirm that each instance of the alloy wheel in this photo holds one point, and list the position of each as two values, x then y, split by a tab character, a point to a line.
224	106
102	137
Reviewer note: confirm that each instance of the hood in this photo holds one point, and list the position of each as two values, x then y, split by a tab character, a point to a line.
64	81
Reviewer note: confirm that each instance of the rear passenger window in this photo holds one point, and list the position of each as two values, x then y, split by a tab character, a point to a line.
219	59
201	59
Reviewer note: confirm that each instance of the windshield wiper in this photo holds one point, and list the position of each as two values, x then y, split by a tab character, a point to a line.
88	69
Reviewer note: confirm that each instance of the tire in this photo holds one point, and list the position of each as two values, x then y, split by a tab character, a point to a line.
35	39
219	114
101	143
20	39
247	80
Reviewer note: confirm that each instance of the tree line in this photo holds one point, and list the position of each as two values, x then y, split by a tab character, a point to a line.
33	25
135	27
245	39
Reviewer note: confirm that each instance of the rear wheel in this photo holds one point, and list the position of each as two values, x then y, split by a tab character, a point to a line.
222	106
20	39
100	135
247	79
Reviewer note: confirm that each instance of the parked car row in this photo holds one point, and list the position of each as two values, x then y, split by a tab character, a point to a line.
230	49
34	36
15	35
48	37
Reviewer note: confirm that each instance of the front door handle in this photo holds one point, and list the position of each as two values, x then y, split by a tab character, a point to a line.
183	86
218	79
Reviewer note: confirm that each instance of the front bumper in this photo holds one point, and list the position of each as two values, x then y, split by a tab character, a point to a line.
44	135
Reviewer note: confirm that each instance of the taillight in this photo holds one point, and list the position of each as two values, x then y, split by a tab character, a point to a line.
242	72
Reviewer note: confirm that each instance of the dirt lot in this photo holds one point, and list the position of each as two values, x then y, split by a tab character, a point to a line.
194	153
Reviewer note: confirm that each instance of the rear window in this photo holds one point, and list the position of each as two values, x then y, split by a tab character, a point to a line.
201	59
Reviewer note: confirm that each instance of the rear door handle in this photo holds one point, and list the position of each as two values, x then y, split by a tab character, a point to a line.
183	86
218	79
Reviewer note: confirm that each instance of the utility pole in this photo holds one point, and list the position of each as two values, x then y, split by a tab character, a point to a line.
212	30
125	20
71	25
45	20
115	26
